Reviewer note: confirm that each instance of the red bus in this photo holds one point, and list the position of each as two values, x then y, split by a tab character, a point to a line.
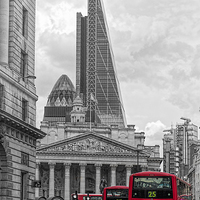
84	196
115	193
157	185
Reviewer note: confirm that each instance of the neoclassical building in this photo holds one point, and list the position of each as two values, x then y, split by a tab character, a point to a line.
78	151
18	132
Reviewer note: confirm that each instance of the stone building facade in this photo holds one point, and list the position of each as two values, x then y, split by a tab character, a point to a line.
77	153
18	133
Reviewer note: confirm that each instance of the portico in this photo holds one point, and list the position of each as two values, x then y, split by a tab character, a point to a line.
66	178
79	163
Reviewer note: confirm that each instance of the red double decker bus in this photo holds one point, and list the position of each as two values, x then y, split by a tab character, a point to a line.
115	193
78	196
157	185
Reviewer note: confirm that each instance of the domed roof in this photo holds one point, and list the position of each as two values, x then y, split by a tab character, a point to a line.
78	101
64	83
62	93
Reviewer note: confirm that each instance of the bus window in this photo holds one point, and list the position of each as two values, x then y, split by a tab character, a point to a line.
115	193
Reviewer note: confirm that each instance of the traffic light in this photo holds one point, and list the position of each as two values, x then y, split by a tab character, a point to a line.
88	196
75	196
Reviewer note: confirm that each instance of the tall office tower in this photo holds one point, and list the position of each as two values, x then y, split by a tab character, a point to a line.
178	148
96	77
18	98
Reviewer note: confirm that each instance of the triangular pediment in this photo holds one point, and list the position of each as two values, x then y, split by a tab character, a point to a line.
89	143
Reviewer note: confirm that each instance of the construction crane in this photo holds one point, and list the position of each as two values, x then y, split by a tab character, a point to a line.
187	120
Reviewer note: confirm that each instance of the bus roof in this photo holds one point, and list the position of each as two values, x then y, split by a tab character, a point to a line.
152	173
90	194
184	181
117	187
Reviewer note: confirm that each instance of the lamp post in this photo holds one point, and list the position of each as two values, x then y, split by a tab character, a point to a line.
137	160
28	77
138	154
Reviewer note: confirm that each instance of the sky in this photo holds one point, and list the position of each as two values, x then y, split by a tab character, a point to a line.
156	46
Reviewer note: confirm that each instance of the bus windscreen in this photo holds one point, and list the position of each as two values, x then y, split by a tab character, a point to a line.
118	194
152	187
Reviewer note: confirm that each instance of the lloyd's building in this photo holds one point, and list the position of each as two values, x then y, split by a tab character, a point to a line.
87	136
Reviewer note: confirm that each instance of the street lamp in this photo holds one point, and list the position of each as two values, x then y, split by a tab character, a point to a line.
138	157
28	77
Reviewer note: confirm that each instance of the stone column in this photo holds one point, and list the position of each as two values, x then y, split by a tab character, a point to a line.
98	177
67	181
4	31
128	173
113	174
51	179
82	177
37	177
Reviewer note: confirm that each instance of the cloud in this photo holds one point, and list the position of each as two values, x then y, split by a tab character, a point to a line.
55	56
157	54
154	132
58	16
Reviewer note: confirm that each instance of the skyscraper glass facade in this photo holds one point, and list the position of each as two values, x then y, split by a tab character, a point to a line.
96	72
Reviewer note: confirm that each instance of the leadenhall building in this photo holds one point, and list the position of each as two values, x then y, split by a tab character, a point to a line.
87	135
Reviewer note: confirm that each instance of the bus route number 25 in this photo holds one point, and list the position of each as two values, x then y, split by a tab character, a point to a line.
151	193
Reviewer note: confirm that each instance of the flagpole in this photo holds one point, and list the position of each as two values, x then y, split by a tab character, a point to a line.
90	112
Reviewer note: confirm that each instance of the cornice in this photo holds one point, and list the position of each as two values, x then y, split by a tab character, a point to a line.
155	159
86	154
20	125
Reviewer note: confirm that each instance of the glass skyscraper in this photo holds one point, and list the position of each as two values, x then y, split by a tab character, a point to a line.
95	66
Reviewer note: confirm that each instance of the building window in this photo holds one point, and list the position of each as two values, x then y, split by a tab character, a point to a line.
24	159
2	96
24	109
25	22
24	183
23	69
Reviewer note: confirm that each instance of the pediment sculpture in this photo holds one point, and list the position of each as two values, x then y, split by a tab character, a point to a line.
89	145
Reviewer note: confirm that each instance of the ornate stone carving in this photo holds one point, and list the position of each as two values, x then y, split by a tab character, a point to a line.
2	132
113	166
44	180
128	166
37	165
67	164
59	174
82	165
98	166
121	175
90	145
52	165
67	168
